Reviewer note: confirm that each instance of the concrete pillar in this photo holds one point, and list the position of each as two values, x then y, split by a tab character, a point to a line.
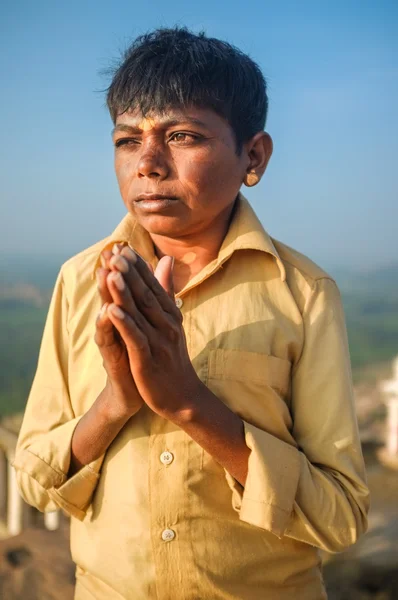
51	520
14	504
3	485
392	427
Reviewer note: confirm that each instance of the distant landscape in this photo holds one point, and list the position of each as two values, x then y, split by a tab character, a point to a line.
370	301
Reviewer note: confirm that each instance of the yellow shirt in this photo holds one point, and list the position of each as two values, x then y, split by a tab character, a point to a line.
157	517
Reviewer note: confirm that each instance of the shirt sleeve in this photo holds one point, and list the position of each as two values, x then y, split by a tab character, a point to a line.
316	492
43	452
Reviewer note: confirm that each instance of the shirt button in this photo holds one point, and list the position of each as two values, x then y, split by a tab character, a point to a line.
166	458
168	535
179	302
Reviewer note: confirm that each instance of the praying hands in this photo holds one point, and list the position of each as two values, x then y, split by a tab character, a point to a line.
140	335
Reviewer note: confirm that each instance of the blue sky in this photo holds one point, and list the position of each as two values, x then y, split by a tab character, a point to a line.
331	190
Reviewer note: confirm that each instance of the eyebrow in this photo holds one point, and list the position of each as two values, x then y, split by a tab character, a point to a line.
166	124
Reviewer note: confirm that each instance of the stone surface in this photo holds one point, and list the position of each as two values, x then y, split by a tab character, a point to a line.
36	565
369	570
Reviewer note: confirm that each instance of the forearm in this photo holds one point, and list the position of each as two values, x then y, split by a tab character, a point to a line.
96	431
217	430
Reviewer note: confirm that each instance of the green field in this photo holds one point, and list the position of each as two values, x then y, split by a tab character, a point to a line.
370	302
371	307
20	333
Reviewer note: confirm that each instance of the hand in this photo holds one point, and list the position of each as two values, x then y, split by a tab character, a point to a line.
120	387
150	325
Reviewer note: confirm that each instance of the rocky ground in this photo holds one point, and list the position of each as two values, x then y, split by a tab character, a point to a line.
36	565
369	570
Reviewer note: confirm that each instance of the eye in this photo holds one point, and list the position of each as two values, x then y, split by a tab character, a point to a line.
183	137
126	142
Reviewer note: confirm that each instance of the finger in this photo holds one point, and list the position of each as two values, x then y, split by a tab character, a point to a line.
101	275
117	248
144	298
106	298
121	296
136	342
164	274
106	255
151	282
104	330
112	348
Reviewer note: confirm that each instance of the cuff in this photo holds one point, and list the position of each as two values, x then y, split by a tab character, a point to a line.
47	461
267	499
75	494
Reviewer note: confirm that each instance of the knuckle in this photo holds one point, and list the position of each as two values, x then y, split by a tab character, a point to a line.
148	298
140	320
157	288
173	333
139	345
166	353
102	328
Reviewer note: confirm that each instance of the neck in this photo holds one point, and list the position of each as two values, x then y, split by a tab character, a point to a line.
193	252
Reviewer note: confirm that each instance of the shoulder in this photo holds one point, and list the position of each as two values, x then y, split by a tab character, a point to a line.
299	265
78	271
304	277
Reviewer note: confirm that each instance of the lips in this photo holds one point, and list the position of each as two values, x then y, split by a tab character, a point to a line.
153	203
153	197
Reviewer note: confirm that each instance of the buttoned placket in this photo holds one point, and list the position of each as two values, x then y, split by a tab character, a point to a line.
172	454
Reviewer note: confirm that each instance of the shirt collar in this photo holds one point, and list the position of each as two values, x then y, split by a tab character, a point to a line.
245	233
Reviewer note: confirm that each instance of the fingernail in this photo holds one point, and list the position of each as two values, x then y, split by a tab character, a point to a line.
103	262
116	249
116	311
102	311
98	277
120	263
129	254
118	280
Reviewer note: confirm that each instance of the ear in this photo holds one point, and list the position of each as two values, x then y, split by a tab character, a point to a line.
259	151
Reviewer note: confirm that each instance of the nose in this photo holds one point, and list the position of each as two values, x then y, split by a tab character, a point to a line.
152	162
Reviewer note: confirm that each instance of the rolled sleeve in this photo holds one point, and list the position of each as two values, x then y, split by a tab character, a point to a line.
267	499
43	452
316	492
46	463
74	496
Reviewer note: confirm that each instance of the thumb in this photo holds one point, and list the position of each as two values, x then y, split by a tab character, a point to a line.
164	274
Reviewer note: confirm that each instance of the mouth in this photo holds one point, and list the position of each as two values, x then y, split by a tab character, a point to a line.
154	202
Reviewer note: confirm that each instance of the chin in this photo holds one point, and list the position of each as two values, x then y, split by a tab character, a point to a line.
162	225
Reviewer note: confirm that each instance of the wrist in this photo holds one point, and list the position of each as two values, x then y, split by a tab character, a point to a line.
191	407
115	404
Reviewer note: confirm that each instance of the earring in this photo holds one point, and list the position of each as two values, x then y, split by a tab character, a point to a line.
251	179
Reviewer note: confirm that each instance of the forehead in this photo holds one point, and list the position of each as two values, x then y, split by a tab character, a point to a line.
201	117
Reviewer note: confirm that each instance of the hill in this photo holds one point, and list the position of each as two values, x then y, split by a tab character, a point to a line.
370	301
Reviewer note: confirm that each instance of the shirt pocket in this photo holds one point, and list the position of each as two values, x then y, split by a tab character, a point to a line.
255	386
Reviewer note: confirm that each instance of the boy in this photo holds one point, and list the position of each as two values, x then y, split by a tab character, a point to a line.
201	431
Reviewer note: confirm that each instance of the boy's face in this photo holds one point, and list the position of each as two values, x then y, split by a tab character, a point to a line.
177	172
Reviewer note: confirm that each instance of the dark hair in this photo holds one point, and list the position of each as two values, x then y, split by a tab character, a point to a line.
175	67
